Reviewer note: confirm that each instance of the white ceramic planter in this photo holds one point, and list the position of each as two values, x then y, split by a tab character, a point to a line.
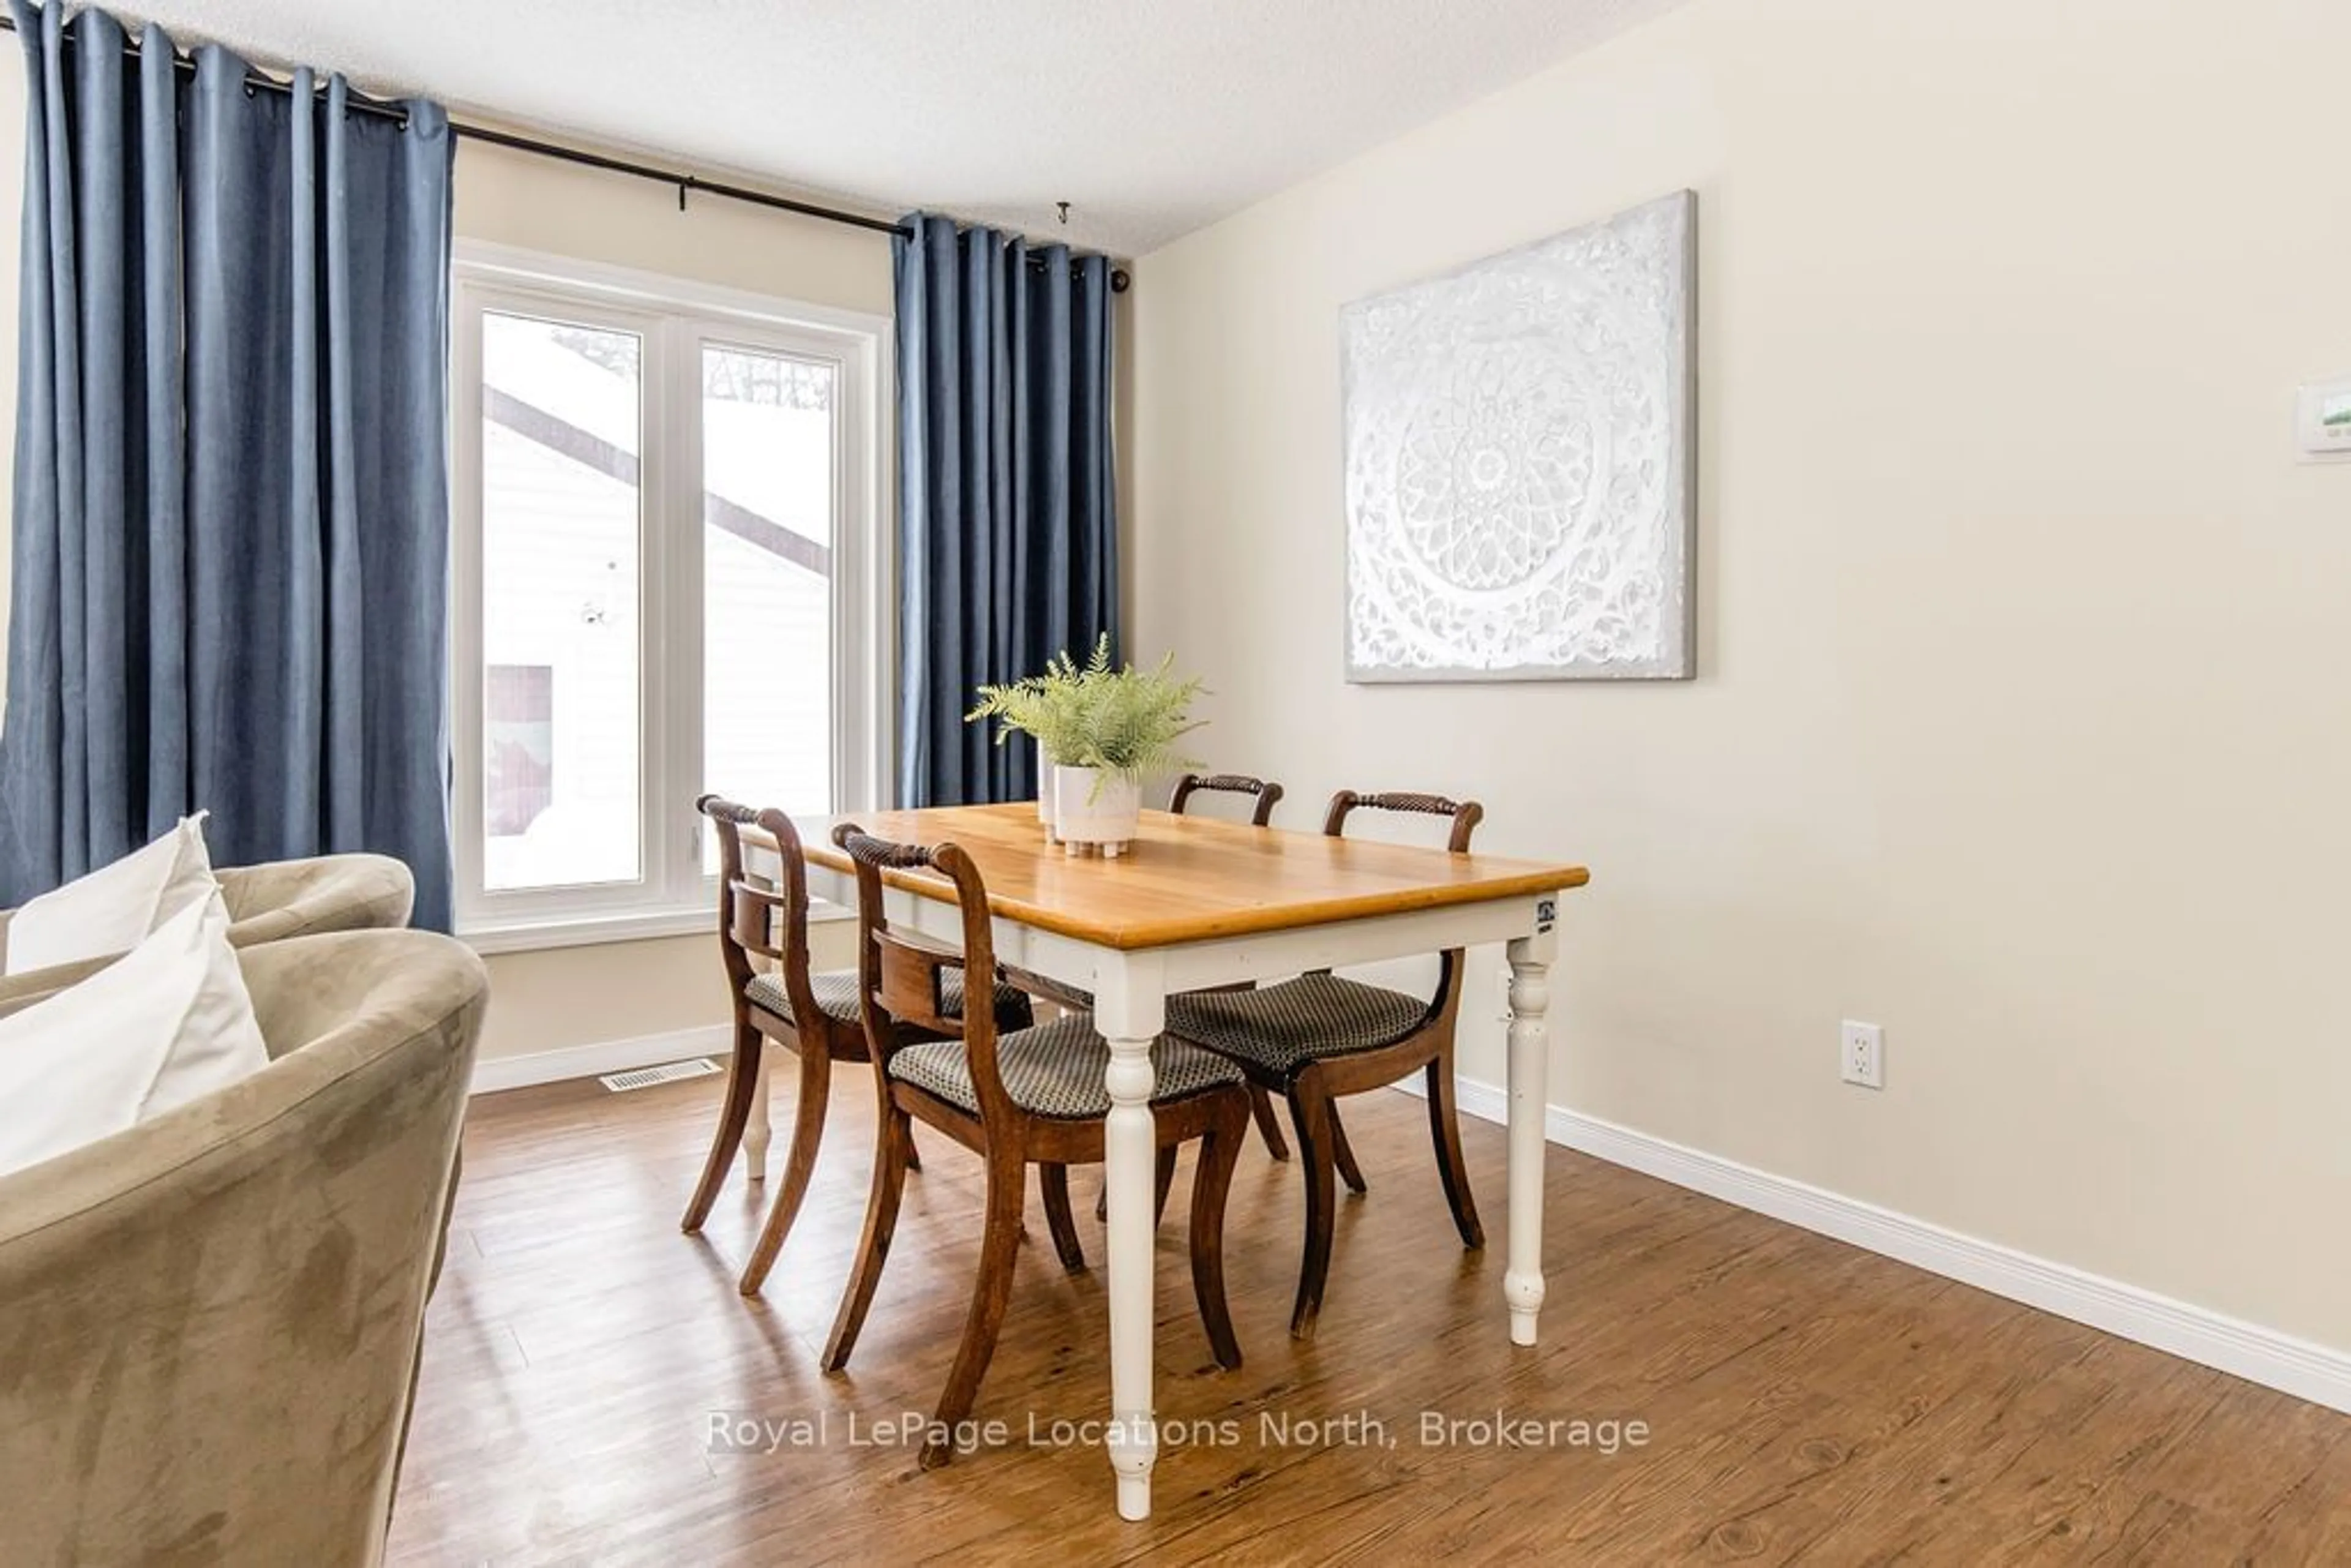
1046	774
1091	809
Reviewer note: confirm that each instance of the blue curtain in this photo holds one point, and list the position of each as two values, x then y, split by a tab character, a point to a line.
1008	516
230	549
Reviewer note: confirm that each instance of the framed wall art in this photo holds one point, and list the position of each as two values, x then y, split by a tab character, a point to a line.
1519	461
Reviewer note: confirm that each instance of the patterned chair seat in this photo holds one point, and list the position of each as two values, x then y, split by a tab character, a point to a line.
1311	1018
836	995
1056	1070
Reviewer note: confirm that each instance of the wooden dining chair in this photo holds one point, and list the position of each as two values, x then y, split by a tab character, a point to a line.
1018	1097
1268	795
1320	1037
763	943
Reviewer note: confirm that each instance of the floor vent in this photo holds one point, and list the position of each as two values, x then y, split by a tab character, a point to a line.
667	1072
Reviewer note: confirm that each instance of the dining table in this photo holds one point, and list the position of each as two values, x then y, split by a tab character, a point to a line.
1195	903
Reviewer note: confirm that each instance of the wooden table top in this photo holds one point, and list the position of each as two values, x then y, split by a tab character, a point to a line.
1186	879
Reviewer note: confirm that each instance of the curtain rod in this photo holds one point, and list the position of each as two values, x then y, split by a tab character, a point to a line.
683	183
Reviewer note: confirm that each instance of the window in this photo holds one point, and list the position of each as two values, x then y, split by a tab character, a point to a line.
667	525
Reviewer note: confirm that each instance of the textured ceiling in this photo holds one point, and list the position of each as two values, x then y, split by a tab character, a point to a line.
1150	117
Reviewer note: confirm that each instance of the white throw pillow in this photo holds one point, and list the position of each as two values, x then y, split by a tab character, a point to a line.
114	908
168	1023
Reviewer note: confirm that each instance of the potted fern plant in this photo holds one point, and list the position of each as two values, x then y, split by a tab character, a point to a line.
1047	709
1100	729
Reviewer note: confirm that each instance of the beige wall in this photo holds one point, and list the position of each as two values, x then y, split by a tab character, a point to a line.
576	996
2022	724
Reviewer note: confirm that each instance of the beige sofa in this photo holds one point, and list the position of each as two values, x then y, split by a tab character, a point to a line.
268	902
209	1324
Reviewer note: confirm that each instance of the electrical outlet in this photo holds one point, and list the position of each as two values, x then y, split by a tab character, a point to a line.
1504	1013
1861	1054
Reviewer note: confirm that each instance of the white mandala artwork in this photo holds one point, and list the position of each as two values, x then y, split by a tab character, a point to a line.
1519	469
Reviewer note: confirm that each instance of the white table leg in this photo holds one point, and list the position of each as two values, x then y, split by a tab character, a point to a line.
1129	1009
758	1130
1522	1276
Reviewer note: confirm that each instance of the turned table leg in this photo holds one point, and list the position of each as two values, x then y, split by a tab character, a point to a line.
1529	1068
1130	1008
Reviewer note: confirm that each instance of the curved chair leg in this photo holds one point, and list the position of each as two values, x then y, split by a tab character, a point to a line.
1310	1116
1164	1175
733	1113
998	1246
1342	1150
1053	1181
1268	1127
1445	1130
873	1246
800	1165
1212	1179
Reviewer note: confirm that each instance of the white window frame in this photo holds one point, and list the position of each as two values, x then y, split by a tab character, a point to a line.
675	318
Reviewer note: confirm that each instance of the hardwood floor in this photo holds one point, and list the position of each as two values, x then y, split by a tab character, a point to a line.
1803	1401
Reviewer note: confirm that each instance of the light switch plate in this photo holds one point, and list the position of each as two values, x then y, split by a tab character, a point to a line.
2322	421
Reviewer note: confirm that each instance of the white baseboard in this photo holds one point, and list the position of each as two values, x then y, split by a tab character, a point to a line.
493	1073
2278	1361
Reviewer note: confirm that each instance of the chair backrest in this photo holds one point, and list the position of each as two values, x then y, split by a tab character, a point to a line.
756	921
1266	792
899	980
243	1280
1466	815
277	899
